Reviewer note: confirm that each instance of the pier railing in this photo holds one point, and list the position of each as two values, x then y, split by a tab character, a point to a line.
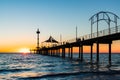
101	33
105	32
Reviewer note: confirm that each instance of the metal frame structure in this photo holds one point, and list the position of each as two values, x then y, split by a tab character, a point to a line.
107	17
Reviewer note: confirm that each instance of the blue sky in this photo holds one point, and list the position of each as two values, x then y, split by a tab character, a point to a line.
19	19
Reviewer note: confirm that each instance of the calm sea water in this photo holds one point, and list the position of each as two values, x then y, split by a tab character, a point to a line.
39	67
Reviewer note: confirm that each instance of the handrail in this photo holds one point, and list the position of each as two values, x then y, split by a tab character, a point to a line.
105	32
101	33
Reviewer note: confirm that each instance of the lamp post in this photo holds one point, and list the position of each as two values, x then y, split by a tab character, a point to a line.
76	33
38	32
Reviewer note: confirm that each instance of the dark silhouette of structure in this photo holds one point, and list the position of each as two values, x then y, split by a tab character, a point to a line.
105	36
51	40
109	18
38	32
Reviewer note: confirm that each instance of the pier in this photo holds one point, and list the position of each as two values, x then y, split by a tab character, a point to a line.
106	36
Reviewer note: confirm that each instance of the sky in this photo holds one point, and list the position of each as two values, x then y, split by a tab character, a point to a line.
19	20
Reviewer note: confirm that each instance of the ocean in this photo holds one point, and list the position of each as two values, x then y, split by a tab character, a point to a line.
40	67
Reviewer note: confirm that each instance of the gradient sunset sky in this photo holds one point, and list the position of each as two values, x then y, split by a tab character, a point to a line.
19	20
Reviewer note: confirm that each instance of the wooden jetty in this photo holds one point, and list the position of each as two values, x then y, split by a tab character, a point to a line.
106	36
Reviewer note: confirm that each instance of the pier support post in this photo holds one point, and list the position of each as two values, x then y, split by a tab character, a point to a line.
71	53
79	52
91	55
54	52
51	53
109	54
82	53
63	52
97	53
58	52
48	52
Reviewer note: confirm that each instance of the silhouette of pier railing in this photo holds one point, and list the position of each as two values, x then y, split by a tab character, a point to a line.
105	36
101	33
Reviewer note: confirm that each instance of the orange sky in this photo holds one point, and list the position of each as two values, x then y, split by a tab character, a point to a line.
15	46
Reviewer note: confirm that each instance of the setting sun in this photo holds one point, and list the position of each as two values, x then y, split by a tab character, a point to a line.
24	50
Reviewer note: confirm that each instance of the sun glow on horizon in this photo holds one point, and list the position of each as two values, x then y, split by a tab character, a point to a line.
24	50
